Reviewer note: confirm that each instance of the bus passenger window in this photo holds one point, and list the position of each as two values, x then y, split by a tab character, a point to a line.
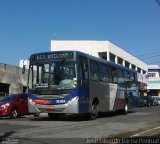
94	76
120	76
132	79
126	76
114	75
103	73
94	70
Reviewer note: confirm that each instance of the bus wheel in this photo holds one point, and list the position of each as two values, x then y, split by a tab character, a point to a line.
94	111
125	109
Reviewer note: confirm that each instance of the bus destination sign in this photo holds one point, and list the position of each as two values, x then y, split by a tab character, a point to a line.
52	56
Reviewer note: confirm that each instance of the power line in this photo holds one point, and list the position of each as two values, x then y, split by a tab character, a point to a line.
151	56
158	1
142	58
145	54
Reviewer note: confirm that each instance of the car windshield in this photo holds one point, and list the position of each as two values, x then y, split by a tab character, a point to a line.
56	75
8	98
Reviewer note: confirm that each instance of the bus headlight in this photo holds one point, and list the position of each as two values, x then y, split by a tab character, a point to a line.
73	100
74	83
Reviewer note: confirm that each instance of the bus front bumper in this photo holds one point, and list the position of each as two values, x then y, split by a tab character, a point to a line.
71	106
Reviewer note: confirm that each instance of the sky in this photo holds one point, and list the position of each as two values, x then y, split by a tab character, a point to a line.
28	26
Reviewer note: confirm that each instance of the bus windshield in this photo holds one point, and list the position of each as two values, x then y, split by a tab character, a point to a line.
56	75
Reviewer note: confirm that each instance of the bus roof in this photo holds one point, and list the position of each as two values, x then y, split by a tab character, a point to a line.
85	55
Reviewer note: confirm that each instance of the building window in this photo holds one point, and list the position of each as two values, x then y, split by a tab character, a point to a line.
152	74
120	61
112	57
127	64
133	67
138	70
103	55
144	72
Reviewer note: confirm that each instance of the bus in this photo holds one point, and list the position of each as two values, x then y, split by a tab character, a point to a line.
72	82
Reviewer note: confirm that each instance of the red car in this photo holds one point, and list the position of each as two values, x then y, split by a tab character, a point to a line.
14	105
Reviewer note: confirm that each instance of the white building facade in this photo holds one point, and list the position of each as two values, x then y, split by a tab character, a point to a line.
24	62
154	80
102	49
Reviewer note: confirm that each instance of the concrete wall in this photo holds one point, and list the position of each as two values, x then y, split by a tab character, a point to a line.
13	76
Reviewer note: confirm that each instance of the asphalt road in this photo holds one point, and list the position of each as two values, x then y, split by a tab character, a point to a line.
77	129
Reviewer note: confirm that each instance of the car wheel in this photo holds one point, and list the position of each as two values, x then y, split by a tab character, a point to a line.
14	113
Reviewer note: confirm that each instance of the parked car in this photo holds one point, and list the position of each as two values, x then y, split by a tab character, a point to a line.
150	101
14	106
157	98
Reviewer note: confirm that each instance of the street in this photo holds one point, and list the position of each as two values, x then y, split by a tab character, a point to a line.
107	125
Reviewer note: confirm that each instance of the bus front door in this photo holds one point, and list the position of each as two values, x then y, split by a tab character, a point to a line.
84	85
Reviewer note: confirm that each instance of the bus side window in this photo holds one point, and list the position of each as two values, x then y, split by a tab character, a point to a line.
120	76
114	74
133	80
126	76
132	76
103	73
129	79
83	71
94	70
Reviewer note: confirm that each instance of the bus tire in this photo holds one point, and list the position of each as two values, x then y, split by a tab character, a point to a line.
94	111
125	108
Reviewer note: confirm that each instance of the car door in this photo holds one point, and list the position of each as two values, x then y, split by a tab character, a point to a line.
22	104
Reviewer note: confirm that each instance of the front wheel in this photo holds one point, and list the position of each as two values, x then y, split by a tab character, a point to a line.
14	113
94	111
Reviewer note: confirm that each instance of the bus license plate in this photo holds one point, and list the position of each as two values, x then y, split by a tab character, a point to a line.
49	107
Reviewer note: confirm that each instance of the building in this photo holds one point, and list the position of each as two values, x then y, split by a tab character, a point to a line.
102	49
154	80
24	62
12	80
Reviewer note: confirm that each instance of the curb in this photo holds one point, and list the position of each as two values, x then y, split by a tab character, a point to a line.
150	132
